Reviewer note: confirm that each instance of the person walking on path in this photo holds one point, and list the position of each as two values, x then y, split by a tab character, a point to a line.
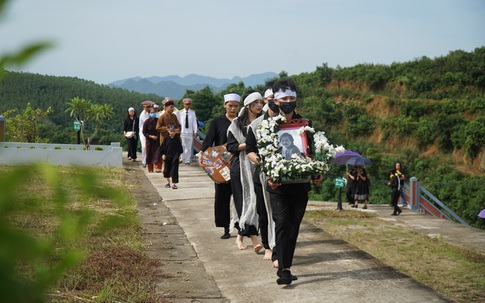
402	177
188	120
217	135
145	115
394	184
350	192
170	151
168	118
288	201
361	188
131	125
266	223
241	171
153	160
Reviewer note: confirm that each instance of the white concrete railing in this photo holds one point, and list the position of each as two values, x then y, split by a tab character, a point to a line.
16	153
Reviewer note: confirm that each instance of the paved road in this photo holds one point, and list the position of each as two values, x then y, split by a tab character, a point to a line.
214	270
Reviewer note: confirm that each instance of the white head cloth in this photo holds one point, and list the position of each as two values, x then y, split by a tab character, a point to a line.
248	100
282	94
232	97
252	97
131	109
268	92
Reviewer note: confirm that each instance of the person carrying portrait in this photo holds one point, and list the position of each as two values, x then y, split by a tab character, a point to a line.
288	201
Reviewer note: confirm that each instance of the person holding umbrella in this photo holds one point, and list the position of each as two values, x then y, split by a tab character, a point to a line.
362	188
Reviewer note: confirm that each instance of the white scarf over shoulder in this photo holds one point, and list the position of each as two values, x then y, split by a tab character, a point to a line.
249	214
263	179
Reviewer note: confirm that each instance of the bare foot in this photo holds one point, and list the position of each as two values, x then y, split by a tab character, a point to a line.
240	243
257	248
267	254
275	264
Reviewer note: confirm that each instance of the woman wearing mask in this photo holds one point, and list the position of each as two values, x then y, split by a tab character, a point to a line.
153	142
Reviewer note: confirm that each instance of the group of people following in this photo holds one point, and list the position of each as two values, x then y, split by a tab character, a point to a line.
166	137
273	209
358	185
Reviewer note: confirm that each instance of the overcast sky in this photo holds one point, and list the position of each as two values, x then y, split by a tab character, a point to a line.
109	40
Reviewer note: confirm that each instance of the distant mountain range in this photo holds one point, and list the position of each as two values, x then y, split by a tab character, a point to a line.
175	86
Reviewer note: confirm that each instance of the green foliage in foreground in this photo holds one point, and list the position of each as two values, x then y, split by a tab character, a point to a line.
46	217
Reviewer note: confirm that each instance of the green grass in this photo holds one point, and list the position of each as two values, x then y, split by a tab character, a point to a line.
455	272
73	236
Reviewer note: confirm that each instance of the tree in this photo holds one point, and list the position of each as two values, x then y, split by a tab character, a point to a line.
84	110
24	127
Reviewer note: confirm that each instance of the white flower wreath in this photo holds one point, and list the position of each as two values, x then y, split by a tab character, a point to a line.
277	168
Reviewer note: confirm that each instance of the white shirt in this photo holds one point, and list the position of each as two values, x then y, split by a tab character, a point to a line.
192	129
143	117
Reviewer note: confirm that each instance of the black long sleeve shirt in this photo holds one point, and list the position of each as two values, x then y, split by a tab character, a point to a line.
217	134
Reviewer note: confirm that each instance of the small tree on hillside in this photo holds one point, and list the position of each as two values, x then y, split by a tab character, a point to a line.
24	127
83	111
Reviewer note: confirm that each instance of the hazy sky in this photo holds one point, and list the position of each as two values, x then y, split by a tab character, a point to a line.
108	40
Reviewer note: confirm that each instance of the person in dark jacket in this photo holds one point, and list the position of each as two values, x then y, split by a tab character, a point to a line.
170	151
131	125
394	184
217	135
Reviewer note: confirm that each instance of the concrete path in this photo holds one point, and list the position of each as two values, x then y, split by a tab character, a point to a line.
214	270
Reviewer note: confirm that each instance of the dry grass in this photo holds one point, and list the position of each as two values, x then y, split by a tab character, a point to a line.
114	267
455	272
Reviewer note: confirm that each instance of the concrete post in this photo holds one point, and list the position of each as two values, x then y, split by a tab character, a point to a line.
414	193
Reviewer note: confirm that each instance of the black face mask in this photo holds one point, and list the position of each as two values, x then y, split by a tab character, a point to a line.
273	106
287	107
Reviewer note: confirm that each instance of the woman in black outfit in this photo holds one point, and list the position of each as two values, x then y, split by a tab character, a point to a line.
131	125
394	184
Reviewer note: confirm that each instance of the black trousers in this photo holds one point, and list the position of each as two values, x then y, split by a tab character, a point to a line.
222	200
237	195
171	169
350	194
132	146
262	213
394	198
288	211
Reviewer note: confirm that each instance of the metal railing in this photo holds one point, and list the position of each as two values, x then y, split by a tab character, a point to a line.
422	200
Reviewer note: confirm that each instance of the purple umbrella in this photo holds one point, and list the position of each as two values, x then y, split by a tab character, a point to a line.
482	214
342	158
359	161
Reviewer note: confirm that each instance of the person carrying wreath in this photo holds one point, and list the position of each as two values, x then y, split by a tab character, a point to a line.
288	201
217	135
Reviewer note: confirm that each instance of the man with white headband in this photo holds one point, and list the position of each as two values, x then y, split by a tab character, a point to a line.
217	135
288	201
241	172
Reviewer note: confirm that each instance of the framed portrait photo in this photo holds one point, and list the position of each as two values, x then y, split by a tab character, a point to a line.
290	141
293	143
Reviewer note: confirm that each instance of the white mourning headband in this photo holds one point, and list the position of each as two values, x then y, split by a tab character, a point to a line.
232	97
282	94
252	97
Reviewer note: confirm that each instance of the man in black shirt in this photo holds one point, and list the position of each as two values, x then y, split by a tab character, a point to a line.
217	135
288	201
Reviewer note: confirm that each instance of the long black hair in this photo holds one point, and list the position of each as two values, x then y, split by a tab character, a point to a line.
243	119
